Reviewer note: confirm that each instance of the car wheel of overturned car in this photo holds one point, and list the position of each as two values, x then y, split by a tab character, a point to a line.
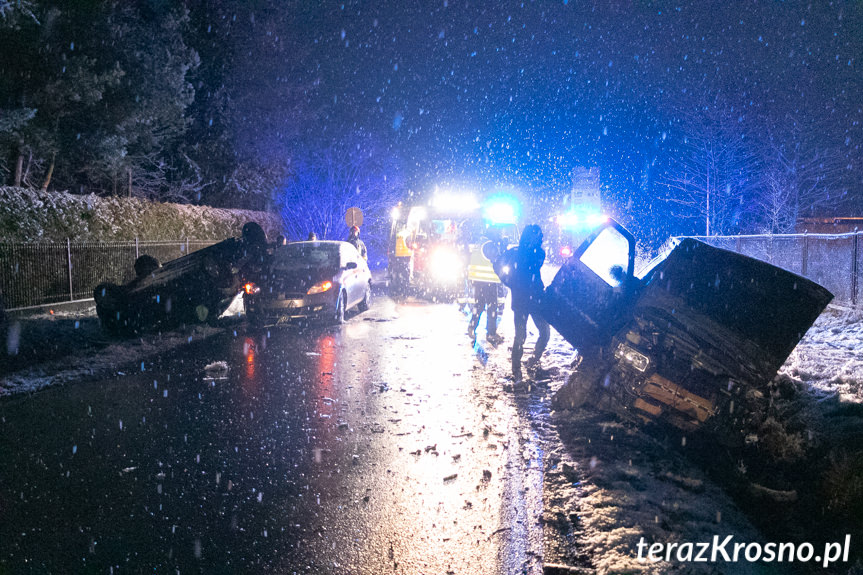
145	265
366	303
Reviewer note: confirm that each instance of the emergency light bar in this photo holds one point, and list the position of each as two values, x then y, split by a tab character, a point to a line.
501	210
454	203
571	220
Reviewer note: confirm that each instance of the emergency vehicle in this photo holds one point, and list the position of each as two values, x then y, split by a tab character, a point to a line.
580	214
436	248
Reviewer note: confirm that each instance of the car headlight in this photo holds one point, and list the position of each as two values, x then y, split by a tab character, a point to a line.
320	287
633	357
445	265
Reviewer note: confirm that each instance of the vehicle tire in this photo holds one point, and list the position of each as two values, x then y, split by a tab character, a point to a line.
254	235
339	316
367	299
145	265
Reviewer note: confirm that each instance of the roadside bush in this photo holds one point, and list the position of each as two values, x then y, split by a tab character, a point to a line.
32	215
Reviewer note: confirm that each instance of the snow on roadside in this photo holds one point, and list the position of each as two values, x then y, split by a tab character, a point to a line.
828	358
79	364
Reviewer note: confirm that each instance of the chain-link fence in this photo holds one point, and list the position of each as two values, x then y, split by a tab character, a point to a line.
34	274
833	260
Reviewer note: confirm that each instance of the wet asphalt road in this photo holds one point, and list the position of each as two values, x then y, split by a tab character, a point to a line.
384	445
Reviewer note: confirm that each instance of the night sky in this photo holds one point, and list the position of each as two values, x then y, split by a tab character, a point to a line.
517	93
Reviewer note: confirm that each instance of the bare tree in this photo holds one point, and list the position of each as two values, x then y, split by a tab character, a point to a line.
713	173
324	184
800	177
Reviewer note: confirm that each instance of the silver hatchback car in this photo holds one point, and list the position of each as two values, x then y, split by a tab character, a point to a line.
309	280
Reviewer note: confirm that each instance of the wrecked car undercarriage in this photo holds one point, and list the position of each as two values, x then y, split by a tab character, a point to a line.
690	343
195	288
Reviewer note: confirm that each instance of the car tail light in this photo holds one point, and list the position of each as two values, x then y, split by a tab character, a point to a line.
251	288
320	287
566	251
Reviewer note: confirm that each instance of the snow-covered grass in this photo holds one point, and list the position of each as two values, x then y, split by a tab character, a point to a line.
829	359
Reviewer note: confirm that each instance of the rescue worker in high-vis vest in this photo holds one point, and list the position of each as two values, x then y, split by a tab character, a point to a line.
485	285
400	265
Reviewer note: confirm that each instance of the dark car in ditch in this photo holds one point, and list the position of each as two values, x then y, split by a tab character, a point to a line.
699	335
195	288
309	280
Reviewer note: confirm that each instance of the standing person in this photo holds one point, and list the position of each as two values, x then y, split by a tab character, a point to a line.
485	285
526	285
354	240
485	299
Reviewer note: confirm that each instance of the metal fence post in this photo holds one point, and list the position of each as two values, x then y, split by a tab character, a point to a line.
770	250
137	253
804	265
854	269
69	262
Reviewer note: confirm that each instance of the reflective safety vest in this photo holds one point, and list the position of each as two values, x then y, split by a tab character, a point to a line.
402	250
480	269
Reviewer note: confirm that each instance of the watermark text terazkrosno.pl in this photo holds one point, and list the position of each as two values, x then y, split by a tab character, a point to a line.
726	550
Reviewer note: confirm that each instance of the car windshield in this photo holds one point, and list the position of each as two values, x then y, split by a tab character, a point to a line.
306	255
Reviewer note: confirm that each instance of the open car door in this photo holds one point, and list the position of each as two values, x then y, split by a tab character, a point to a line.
592	293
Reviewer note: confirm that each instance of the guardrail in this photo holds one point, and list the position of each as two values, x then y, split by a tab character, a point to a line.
33	274
834	261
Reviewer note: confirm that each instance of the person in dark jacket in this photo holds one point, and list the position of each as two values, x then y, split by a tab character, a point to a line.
354	240
526	286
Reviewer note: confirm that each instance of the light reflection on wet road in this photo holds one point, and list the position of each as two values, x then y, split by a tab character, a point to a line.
381	445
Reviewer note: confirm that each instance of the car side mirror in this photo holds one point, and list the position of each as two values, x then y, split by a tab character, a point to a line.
351	266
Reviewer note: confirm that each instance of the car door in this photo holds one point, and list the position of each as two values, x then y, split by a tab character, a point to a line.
350	273
588	298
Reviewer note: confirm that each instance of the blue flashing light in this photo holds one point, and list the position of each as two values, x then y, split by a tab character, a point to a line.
581	219
501	210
